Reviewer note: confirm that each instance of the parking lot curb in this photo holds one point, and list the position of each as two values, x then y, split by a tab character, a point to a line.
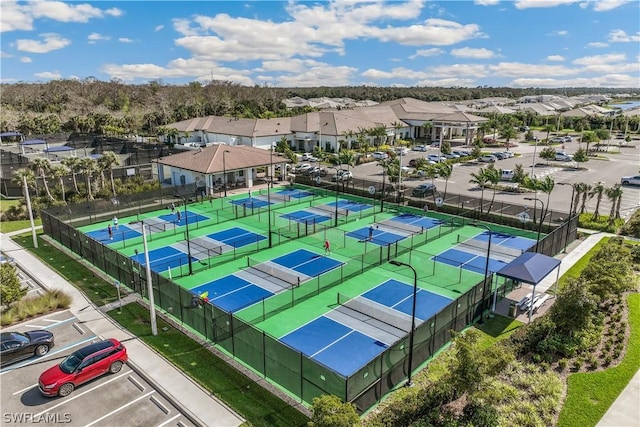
164	393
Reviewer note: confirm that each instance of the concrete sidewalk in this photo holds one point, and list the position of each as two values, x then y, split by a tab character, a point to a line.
197	404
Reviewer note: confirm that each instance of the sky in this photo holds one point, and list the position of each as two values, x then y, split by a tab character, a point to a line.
465	43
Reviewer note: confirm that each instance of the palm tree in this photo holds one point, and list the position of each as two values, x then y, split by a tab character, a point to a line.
73	164
507	132
580	188
379	133
108	160
59	172
480	179
445	169
29	175
614	194
41	166
585	196
427	128
619	199
546	185
548	128
598	191
88	167
493	176
347	157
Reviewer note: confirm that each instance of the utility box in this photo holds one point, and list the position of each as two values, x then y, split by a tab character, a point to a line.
513	309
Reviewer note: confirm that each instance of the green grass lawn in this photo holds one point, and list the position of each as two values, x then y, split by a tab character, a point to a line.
257	405
589	395
577	268
9	226
98	290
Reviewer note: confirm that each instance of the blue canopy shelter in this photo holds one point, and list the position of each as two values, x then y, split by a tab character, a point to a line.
531	268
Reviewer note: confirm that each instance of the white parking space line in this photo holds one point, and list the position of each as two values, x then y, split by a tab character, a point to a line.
119	409
25	389
169	420
67	400
57	323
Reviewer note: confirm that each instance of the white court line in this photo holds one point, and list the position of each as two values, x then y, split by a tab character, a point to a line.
169	420
81	394
119	409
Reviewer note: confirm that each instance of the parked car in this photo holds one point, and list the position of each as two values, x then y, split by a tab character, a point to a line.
16	346
83	365
5	259
423	190
401	151
343	175
462	153
452	156
305	156
500	155
506	174
436	158
319	172
302	167
487	159
508	154
556	140
524	128
563	157
379	155
630	180
420	148
567	139
434	145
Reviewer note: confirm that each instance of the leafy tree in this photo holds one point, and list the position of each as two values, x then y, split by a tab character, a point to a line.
507	133
330	411
580	156
548	153
518	174
476	151
10	288
347	157
590	137
574	307
609	271
445	147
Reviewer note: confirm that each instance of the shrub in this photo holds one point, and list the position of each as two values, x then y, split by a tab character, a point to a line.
607	361
330	411
562	364
30	307
577	364
479	415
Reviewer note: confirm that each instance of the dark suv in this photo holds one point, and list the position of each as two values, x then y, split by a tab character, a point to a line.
83	365
424	190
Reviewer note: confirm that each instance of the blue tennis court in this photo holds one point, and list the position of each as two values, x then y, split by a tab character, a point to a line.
507	240
236	237
379	237
305	217
417	221
164	258
232	293
335	345
307	262
122	233
250	202
192	218
468	261
399	296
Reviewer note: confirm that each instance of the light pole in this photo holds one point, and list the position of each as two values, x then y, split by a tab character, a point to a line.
338	177
384	174
413	315
573	192
269	186
224	171
186	223
486	272
152	304
535	199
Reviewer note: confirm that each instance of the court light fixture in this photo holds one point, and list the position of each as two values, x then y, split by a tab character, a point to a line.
413	314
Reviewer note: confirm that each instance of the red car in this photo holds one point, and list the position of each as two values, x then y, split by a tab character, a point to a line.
81	366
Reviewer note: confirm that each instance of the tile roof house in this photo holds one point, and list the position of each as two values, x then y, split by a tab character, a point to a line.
210	168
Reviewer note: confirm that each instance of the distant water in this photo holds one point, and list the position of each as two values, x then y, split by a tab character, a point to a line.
626	105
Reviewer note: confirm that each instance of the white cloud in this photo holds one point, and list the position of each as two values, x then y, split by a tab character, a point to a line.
457	70
597	44
518	69
427	52
17	16
486	2
447	83
5	55
620	36
158	28
556	58
610	80
611	58
25	59
467	52
51	41
125	40
560	33
607	5
529	4
49	75
94	37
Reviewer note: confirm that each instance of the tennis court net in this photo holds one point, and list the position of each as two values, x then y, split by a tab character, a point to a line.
201	247
155	227
398	225
272	273
483	246
279	196
331	210
400	324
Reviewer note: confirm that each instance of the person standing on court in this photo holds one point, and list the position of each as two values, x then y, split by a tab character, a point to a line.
327	247
110	231
371	232
178	215
115	222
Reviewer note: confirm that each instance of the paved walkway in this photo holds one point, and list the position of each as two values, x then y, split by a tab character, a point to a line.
197	404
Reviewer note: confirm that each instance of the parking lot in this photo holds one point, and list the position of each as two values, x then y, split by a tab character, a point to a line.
124	398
